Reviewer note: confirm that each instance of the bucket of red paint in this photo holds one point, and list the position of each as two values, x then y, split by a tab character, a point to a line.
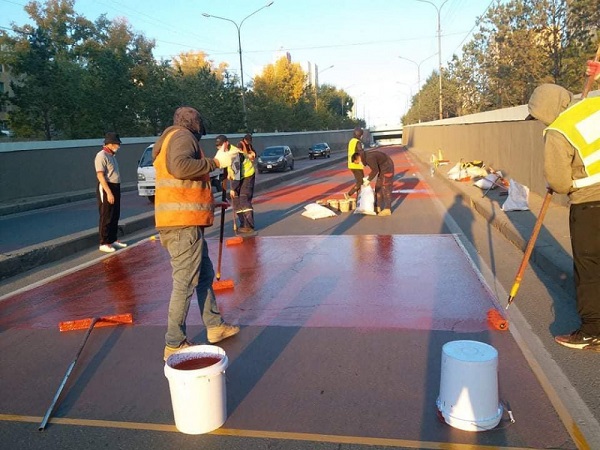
197	384
468	397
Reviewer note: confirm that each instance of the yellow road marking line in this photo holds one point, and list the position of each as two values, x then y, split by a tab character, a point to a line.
282	435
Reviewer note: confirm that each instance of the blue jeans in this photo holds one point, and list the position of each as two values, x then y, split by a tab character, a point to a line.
192	270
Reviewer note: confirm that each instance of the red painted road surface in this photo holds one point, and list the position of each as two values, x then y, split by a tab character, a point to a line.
342	334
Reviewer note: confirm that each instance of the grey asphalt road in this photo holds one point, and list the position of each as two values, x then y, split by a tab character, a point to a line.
542	309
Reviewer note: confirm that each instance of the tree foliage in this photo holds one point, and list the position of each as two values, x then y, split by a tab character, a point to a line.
75	78
518	45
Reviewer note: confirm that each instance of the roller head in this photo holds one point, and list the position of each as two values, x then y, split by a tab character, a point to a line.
222	285
234	241
496	321
105	321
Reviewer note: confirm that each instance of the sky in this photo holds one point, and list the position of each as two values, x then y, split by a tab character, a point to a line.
356	45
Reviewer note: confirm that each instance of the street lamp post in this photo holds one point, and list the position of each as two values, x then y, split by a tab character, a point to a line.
317	84
439	33
238	27
418	80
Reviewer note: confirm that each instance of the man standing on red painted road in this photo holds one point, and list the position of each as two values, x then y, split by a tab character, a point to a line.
184	207
356	167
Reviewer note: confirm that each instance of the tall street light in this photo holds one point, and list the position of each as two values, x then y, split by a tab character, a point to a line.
418	80
439	33
240	52
317	83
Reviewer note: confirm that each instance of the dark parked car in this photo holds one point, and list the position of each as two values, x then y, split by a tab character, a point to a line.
278	157
320	149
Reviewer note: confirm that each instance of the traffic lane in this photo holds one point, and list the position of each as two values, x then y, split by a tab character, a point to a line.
41	225
328	325
293	321
34	227
278	211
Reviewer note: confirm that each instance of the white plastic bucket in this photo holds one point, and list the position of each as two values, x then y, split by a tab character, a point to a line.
198	395
468	397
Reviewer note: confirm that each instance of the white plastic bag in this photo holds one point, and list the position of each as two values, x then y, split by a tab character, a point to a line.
366	201
454	172
314	211
489	182
518	197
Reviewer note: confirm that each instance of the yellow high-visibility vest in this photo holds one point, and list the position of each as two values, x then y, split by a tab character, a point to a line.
580	125
181	203
351	151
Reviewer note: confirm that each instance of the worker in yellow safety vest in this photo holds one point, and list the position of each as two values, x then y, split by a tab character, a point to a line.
355	146
241	176
571	167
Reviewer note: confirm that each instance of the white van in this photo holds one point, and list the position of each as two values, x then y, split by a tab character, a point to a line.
146	176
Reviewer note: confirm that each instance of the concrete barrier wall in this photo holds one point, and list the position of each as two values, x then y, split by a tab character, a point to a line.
515	148
35	169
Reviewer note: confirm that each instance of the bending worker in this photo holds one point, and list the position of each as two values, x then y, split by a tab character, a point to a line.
571	155
355	146
382	167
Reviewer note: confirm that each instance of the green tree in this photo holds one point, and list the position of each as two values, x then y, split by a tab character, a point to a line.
43	59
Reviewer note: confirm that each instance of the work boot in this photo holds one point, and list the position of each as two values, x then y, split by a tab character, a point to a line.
218	333
385	212
170	350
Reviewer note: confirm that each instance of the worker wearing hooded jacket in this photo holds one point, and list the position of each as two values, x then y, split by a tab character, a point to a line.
571	129
184	207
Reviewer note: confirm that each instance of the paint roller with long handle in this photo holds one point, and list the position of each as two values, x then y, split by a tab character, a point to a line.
529	249
72	325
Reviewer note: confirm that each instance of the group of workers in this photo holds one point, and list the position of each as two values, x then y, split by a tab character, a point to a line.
184	204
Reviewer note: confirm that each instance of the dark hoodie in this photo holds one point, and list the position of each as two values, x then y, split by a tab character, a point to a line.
185	158
562	163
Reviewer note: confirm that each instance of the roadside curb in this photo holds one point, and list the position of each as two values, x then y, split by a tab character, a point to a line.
551	253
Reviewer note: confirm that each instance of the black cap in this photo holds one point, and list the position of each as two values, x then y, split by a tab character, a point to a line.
112	138
221	139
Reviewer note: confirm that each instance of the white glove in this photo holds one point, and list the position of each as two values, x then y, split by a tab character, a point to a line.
224	159
366	181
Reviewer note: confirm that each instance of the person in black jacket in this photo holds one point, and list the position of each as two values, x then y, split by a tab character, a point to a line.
382	167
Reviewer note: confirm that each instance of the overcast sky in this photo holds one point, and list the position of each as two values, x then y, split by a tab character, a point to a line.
362	40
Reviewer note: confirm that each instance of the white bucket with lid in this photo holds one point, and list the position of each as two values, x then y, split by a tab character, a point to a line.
468	397
197	383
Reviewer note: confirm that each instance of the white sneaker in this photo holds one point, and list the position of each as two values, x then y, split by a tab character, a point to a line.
119	244
106	248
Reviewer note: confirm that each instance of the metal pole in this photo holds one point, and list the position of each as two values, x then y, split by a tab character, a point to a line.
439	33
418	81
239	31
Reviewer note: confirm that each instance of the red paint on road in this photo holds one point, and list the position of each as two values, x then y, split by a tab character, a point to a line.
411	282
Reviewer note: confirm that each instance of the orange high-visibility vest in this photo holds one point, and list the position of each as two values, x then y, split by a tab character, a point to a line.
181	203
